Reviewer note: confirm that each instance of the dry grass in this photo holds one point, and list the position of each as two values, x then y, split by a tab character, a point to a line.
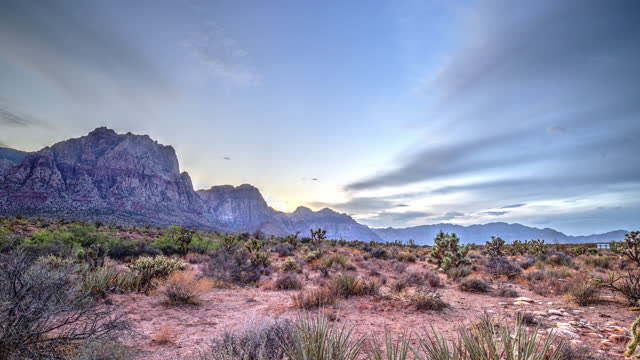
184	287
314	298
164	334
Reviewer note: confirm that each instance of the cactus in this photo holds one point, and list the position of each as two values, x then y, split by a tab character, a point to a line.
318	236
447	253
633	344
495	247
632	246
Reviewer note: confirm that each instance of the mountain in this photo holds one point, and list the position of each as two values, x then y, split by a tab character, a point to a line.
133	179
479	234
103	175
244	208
12	155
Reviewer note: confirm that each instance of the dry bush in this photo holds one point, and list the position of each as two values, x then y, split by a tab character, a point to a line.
371	287
104	349
399	267
406	256
257	340
599	262
184	288
399	285
420	278
287	282
309	299
499	266
473	285
428	300
43	309
584	291
164	334
196	258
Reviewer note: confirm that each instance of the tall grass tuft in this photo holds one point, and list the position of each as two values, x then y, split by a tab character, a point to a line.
314	338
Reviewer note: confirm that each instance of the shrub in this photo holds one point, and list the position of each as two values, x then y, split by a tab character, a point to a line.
406	256
506	291
473	285
175	240
309	299
400	267
150	269
183	287
35	299
258	340
312	255
346	285
491	341
584	291
498	266
428	300
371	287
289	264
399	285
284	249
420	278
527	262
628	286
447	252
599	262
232	267
557	259
379	253
459	272
196	258
340	260
315	338
103	281
287	282
120	248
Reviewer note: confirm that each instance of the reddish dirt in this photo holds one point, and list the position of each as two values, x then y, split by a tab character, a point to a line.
192	326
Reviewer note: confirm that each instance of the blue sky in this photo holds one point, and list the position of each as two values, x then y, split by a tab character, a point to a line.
404	112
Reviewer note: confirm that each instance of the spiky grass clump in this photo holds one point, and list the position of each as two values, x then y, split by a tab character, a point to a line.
315	338
346	285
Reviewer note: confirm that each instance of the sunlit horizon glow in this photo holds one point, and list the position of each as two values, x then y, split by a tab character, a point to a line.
396	113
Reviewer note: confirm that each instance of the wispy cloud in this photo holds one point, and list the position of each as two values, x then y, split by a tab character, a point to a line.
222	54
512	206
496	213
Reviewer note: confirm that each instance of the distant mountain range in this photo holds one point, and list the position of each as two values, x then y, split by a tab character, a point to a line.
127	178
479	234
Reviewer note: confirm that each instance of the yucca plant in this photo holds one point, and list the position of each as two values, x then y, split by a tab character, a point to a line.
314	338
394	350
488	341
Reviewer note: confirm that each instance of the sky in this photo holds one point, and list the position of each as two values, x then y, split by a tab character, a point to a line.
399	113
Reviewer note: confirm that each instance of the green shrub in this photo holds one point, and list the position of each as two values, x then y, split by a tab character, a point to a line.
149	269
102	281
175	240
121	248
289	264
346	285
337	259
459	272
312	255
473	285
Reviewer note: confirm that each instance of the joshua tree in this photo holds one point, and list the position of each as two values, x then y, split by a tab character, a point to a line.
632	246
447	253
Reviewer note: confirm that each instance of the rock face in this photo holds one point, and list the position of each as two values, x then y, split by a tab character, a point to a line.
102	174
479	234
132	179
244	208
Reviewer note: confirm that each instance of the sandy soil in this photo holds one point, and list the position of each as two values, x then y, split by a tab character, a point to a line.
192	326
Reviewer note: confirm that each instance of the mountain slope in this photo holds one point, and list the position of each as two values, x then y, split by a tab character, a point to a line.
479	234
12	155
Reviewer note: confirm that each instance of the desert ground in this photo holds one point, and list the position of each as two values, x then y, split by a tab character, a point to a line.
222	287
